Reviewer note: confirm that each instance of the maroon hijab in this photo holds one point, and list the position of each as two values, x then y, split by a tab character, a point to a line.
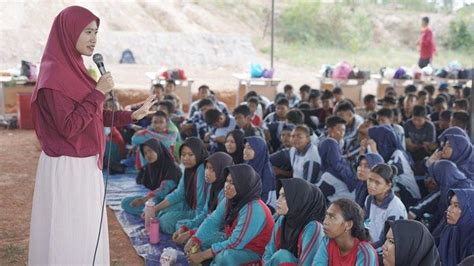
62	68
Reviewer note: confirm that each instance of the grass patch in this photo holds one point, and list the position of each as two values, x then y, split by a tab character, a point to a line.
12	252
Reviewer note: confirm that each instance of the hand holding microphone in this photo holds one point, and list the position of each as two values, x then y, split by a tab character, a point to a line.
106	82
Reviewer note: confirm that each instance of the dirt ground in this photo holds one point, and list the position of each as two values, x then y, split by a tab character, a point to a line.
19	155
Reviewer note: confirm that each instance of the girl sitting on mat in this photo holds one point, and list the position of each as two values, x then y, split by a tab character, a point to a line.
160	175
189	198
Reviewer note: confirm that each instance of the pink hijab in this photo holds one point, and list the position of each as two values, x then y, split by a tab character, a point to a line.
62	68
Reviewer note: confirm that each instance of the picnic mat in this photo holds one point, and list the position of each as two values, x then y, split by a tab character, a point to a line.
121	186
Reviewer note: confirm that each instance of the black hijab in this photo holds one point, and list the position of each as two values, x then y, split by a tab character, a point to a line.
238	155
248	186
219	161
306	203
190	174
414	245
165	168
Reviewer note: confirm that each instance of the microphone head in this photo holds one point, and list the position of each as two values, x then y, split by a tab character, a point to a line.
98	60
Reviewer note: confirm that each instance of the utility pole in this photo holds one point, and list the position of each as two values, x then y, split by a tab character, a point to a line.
272	38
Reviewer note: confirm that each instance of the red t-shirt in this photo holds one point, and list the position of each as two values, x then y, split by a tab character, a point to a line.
427	44
335	257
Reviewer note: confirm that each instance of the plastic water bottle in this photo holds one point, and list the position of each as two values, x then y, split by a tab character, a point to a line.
149	214
154	231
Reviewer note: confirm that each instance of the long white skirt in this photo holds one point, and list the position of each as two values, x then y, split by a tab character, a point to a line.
66	213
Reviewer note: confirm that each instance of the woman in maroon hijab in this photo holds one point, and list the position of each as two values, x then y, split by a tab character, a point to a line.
68	115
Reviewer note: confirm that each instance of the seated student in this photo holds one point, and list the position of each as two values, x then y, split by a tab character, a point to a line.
189	198
253	104
431	90
337	179
440	104
242	215
423	100
196	126
156	89
285	136
461	105
305	90
279	115
113	141
215	166
304	155
345	110
460	119
271	107
447	176
274	122
161	175
457	237
295	117
385	117
385	143
298	232
256	155
370	107
338	95
234	145
203	93
420	134
327	101
346	241
336	128
365	163
408	107
170	89
458	91
390	102
176	115
354	148
221	125
311	116
315	99
460	151
161	130
382	205
291	96
280	160
409	243
443	123
243	119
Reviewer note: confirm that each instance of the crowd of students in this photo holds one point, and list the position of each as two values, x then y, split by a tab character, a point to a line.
308	179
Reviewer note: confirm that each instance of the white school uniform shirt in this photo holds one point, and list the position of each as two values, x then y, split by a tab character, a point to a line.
299	160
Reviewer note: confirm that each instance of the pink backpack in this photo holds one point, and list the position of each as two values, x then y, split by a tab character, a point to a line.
342	70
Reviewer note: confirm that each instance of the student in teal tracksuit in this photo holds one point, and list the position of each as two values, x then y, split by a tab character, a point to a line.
246	220
189	198
346	241
215	166
298	231
161	174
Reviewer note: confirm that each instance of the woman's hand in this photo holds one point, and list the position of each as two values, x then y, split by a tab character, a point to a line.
183	238
145	109
105	83
373	146
176	234
190	246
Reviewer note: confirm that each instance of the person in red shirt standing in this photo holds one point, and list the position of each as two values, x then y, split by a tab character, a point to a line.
68	216
427	44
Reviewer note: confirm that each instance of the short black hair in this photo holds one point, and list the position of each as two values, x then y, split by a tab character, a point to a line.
430	89
279	96
204	102
171	81
304	128
419	111
160	114
466	92
337	90
410	89
295	116
422	93
287	87
426	20
204	87
304	105
334	120
344	106
314	94
283	101
461	119
254	100
385	112
242	110
372	120
168	104
445	115
212	116
305	87
157	86
327	95
369	98
462	103
250	94
389	99
439	100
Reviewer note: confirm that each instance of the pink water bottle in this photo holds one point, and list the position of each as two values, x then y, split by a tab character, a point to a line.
154	231
149	214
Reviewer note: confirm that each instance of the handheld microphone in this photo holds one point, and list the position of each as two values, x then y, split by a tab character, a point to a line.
99	61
